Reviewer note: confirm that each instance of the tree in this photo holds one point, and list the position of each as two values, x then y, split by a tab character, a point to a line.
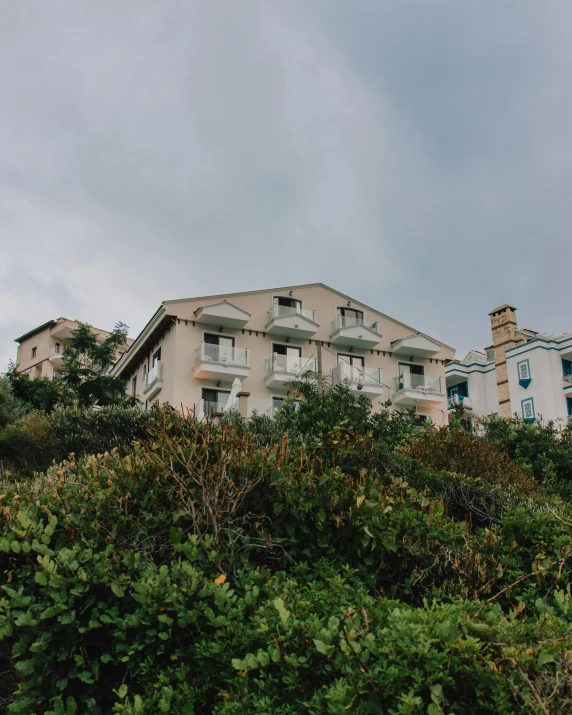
38	393
11	408
87	362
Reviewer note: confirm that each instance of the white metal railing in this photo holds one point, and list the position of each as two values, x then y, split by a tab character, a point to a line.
223	354
356	374
459	400
421	383
154	374
343	321
567	378
284	311
291	364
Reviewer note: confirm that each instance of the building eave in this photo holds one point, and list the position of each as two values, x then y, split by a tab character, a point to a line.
311	285
152	329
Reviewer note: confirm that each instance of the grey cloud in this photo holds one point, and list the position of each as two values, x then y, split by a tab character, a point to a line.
411	153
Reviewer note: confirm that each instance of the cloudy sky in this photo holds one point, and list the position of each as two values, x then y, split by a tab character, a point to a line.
412	153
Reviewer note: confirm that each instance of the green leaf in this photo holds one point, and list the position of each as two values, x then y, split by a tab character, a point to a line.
544	657
122	690
238	664
282	612
41	578
138	704
321	647
16	547
117	590
251	661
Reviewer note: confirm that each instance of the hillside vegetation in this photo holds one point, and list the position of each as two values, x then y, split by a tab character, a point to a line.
327	561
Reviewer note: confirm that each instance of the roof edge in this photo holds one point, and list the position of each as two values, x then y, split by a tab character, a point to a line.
313	285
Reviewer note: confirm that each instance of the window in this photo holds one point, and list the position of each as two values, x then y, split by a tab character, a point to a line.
566	368
58	348
156	357
569	406
278	403
214	400
419	420
134	385
287	302
34	352
528	413
349	316
461	390
524	378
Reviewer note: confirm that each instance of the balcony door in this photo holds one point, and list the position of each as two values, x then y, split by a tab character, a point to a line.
410	375
214	400
222	349
286	358
349	316
351	366
287	302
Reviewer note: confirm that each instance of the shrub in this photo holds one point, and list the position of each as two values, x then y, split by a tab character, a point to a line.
199	572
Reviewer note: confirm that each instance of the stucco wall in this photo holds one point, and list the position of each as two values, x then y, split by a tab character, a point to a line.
178	346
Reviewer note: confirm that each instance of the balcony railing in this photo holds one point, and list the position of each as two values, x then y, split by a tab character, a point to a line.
285	311
154	374
291	364
225	355
422	383
343	321
356	374
459	400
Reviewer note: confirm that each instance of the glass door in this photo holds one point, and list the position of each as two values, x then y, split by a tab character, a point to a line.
349	316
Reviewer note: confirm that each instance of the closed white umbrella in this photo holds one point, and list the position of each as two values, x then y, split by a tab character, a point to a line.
233	397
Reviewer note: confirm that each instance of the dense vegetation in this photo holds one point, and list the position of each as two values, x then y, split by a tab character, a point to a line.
327	561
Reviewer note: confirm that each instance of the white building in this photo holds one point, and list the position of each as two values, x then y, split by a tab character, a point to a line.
523	373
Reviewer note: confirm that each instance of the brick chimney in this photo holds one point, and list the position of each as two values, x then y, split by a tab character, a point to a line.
505	336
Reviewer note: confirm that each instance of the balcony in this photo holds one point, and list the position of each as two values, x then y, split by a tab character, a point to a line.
354	332
153	380
207	409
455	400
57	358
224	314
291	322
281	369
417	390
220	362
64	330
415	346
368	378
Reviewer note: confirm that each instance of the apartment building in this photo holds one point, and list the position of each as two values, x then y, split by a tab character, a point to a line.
192	350
523	373
41	350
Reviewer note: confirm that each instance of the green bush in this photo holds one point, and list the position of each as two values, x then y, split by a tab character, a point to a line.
242	569
37	440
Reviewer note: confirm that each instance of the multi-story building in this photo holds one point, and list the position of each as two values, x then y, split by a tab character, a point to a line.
41	350
192	350
523	373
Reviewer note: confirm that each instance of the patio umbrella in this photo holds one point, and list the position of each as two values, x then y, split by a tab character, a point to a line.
233	397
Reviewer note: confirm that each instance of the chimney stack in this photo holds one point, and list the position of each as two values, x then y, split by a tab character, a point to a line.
505	336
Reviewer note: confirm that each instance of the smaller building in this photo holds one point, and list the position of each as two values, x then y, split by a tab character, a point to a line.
523	373
41	350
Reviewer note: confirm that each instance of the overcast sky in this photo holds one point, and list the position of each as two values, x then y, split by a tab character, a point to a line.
415	154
